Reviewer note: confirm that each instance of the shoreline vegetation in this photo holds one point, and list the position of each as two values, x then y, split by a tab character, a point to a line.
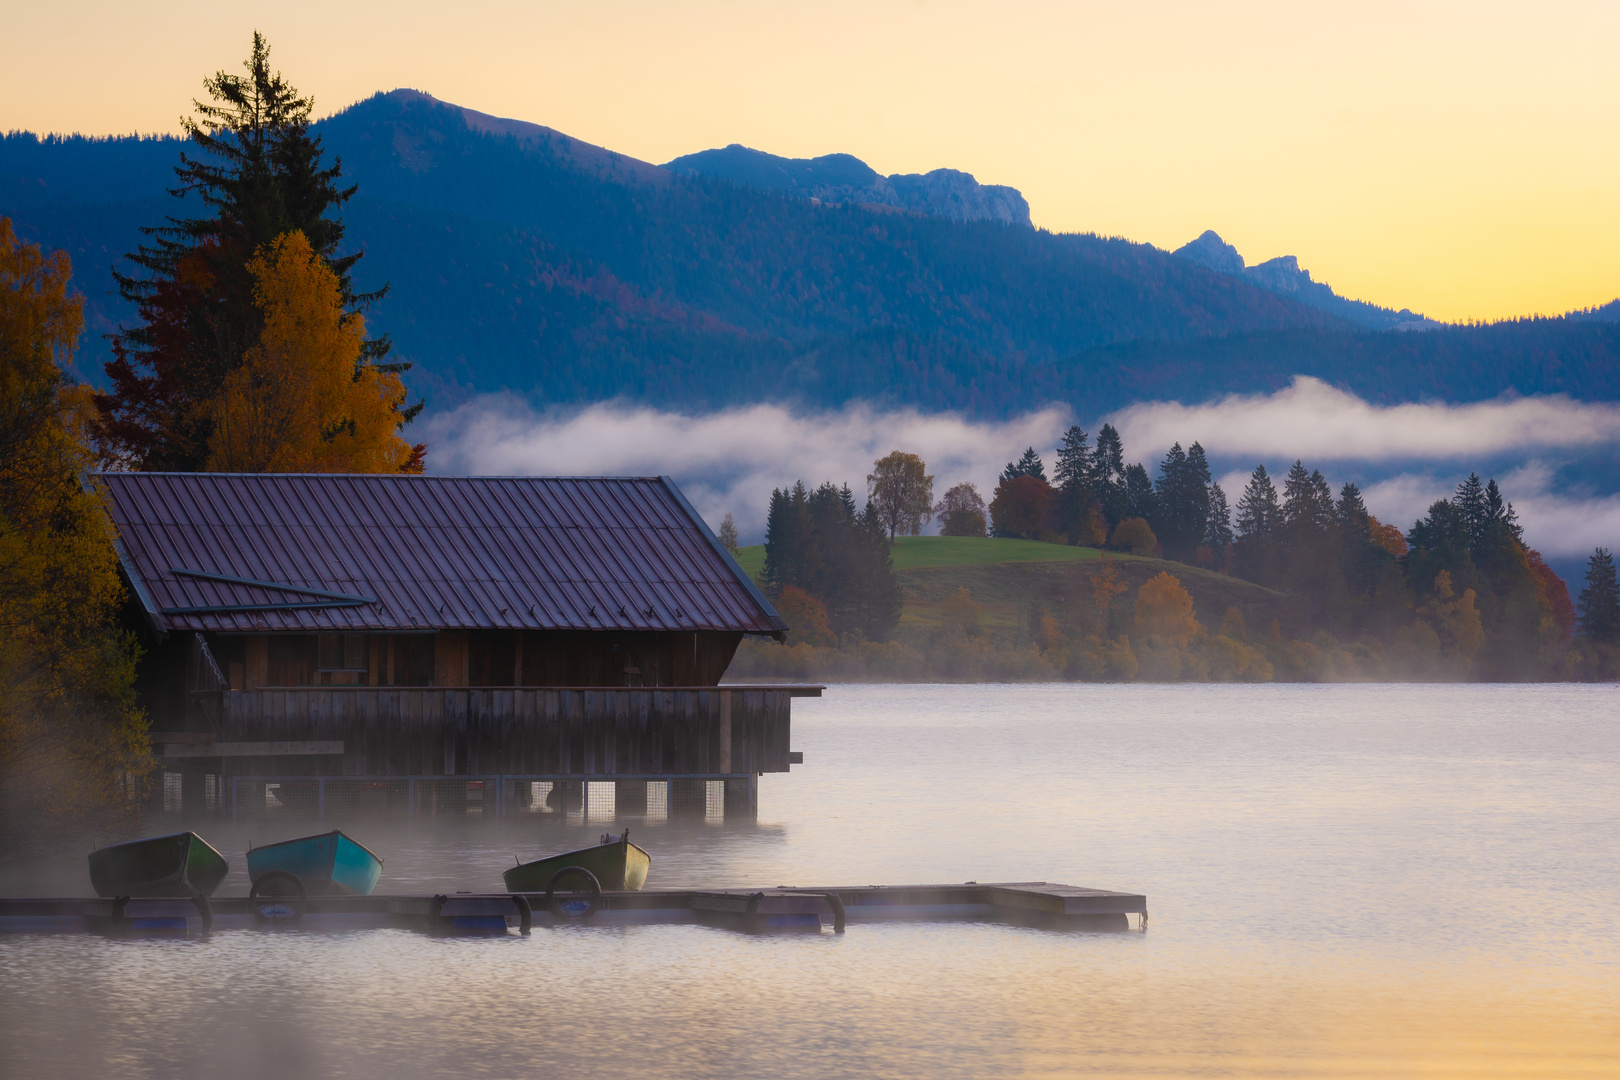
1040	620
1107	572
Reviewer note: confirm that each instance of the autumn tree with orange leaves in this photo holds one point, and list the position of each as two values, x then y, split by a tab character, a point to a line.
259	173
302	399
70	730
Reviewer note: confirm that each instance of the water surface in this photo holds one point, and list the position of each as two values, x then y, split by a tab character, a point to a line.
1343	881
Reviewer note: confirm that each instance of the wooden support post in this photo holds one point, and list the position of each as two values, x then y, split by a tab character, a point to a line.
193	788
688	799
630	798
742	802
725	730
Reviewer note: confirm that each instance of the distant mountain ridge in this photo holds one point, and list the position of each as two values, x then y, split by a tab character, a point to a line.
1284	276
844	178
523	259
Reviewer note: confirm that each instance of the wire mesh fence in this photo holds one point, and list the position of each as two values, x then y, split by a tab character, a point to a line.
574	800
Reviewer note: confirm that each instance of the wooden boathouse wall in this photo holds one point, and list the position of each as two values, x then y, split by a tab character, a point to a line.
449	731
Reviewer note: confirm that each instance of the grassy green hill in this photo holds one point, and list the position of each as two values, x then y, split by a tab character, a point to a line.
917	552
1013	581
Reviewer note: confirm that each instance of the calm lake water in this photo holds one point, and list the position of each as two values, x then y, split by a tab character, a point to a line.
1344	881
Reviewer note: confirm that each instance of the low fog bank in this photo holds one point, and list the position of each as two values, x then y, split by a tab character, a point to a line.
1546	452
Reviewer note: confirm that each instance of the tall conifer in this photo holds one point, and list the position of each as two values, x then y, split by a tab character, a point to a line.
1218	529
1600	600
1258	513
258	174
1108	474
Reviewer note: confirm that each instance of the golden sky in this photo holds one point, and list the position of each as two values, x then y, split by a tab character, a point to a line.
1460	158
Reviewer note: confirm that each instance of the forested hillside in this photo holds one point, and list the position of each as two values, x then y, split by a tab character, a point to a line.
522	259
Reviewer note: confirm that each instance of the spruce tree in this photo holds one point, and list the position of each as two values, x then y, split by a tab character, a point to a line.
1258	513
1198	482
1600	600
1218	528
1307	506
1028	465
1259	521
1108	474
1439	541
1073	459
1181	500
1471	504
258	174
872	579
1357	556
1139	500
1075	494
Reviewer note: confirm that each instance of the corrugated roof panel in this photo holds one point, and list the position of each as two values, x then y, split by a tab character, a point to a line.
485	550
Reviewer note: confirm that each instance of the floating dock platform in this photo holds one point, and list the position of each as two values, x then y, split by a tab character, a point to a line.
782	909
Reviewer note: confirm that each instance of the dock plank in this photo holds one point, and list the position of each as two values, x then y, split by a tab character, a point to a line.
787	906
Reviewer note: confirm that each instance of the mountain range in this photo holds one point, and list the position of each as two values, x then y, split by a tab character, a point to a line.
522	259
844	178
1284	277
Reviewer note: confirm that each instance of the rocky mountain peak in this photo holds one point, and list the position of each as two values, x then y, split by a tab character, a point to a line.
1285	277
844	178
1213	253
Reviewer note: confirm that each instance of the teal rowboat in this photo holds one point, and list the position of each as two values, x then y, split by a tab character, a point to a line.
180	864
327	864
617	863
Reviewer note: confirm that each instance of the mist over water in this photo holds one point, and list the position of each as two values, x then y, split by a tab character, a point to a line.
1342	880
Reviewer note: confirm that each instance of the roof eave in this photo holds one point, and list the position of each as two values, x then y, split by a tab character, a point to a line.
779	626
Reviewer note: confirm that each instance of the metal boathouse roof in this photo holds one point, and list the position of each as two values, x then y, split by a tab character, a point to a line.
312	553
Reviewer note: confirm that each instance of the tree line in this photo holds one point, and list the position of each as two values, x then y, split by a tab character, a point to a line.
1459	592
829	565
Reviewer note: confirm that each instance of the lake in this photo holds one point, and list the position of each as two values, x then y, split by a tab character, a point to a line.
1342	880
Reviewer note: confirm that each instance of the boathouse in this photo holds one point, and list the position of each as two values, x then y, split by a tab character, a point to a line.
486	644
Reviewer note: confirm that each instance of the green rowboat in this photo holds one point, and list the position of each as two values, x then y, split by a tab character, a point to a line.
617	863
181	864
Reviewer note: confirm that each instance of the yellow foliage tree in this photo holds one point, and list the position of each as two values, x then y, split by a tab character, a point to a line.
1165	610
70	733
1454	618
302	401
1135	536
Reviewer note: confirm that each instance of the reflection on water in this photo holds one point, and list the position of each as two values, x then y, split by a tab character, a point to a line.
1345	881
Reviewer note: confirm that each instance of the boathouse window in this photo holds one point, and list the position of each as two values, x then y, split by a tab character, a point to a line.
291	660
413	659
341	652
491	658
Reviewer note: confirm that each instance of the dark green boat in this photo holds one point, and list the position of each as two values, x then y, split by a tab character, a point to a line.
181	864
617	863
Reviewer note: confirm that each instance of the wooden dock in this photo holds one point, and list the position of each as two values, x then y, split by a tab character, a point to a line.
781	909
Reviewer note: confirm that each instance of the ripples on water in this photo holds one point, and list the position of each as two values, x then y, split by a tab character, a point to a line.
1344	881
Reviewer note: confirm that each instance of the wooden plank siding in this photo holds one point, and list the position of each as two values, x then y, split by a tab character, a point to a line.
417	731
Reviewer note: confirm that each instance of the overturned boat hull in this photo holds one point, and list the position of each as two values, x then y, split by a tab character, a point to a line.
328	864
618	866
180	864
